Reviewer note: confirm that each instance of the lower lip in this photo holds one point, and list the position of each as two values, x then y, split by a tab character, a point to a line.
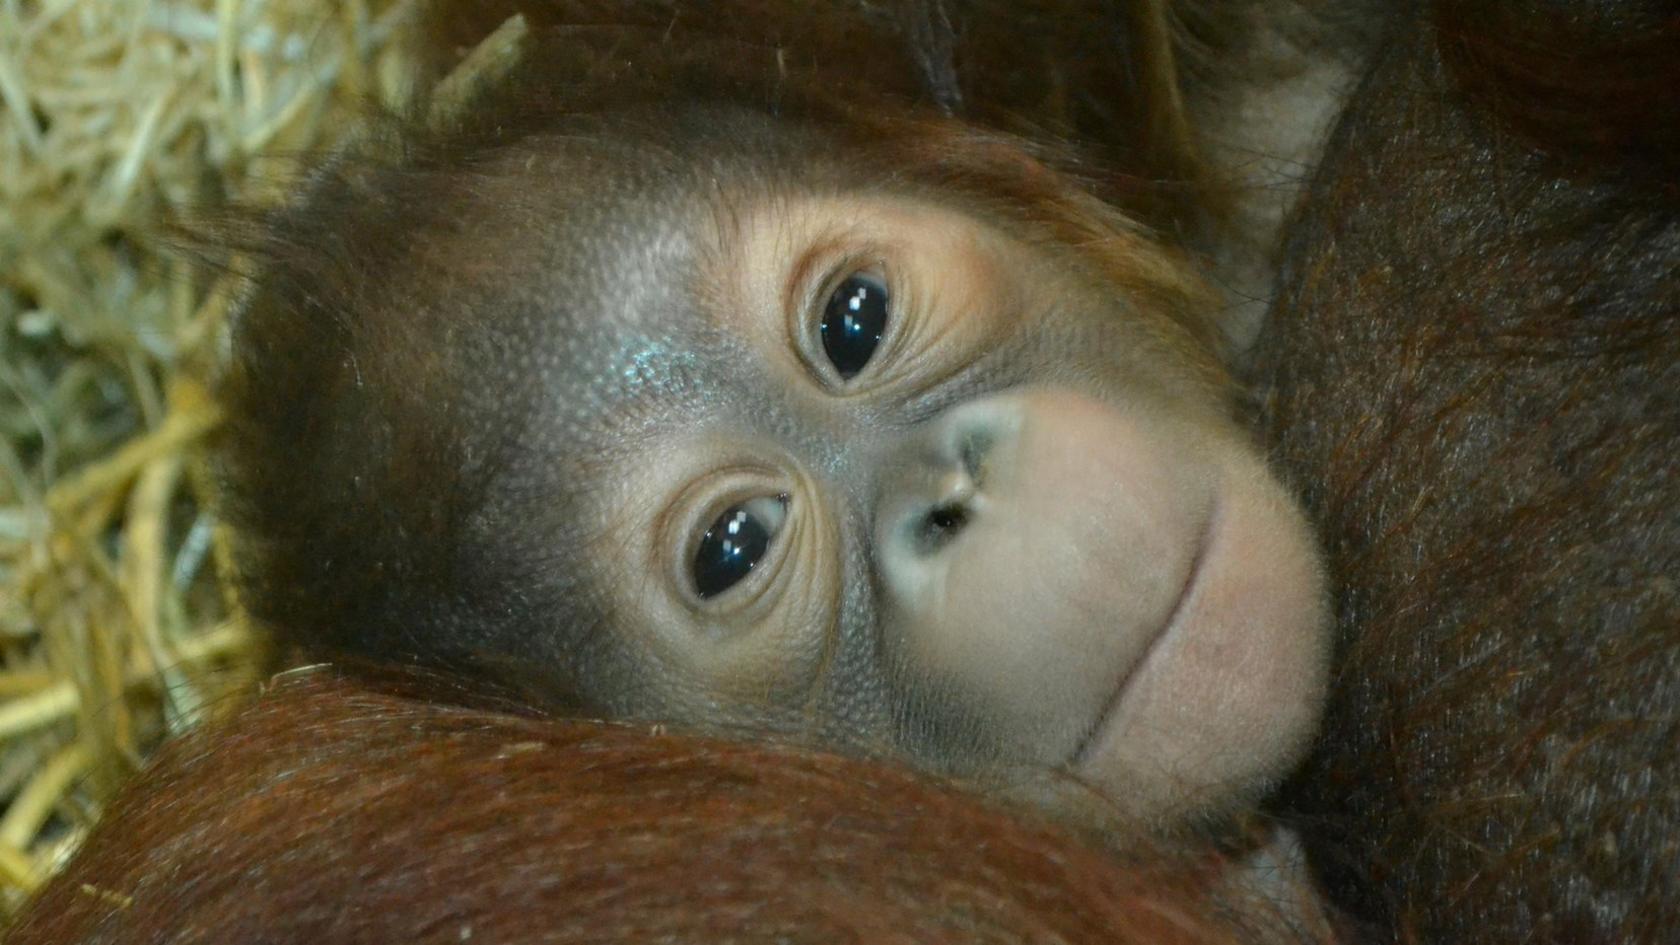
1099	730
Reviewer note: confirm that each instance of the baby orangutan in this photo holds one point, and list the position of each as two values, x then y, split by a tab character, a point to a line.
754	374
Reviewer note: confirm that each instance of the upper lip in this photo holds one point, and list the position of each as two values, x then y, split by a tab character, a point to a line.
1082	751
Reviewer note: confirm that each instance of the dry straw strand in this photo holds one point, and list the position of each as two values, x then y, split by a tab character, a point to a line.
122	118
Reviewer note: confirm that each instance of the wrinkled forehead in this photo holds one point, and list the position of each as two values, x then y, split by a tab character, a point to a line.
596	327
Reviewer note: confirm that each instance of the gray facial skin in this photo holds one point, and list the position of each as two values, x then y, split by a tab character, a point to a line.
1021	530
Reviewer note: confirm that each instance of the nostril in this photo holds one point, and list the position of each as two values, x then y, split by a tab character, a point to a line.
948	518
940	526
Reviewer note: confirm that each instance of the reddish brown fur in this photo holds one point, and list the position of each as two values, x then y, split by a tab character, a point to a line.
329	813
1100	73
1475	369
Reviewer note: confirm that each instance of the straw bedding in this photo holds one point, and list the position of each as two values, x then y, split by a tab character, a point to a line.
119	120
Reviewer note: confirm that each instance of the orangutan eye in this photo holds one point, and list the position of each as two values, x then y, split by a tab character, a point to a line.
736	543
853	321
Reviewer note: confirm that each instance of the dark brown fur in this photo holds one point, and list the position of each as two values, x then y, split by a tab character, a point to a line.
1475	370
330	813
1584	81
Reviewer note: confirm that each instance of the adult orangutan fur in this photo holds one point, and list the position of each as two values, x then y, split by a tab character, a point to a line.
329	813
1474	368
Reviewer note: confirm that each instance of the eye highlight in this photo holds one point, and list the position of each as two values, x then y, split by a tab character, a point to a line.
853	321
735	543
